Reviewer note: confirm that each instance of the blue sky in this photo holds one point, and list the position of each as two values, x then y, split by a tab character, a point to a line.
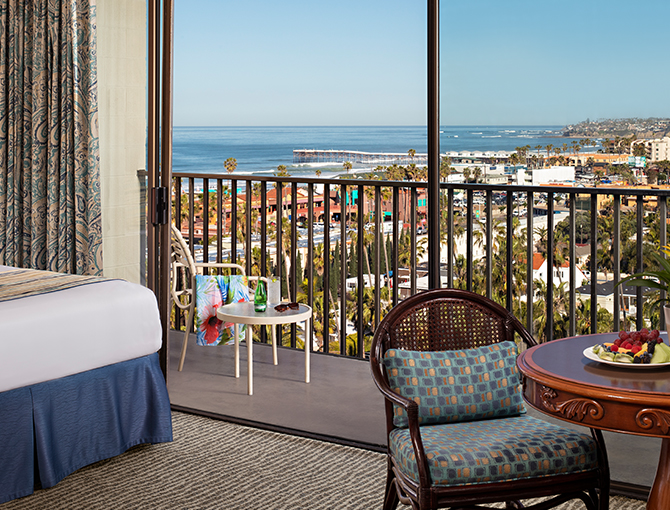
514	62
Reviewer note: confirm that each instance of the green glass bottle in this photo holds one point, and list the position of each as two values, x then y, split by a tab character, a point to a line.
260	297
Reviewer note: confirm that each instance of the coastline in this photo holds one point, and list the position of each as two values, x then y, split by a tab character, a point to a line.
259	150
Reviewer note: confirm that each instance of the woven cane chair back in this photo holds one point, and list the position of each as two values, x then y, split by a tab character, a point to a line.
450	319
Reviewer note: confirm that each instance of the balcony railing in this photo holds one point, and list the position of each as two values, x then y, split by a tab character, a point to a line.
495	239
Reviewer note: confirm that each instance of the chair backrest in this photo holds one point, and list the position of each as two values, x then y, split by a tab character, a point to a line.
440	320
184	268
447	319
180	254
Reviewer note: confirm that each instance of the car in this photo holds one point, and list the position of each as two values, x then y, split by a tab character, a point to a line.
421	230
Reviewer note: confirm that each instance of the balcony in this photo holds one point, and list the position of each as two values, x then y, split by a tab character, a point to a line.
587	229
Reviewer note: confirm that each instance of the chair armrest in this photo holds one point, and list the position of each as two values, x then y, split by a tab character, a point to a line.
412	410
256	278
410	406
219	265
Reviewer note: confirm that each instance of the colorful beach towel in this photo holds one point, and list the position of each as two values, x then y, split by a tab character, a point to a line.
211	292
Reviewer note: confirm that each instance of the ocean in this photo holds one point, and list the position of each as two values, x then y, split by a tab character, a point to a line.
260	150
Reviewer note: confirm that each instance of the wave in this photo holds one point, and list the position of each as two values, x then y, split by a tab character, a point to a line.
491	136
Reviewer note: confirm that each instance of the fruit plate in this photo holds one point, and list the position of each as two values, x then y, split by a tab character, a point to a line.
588	352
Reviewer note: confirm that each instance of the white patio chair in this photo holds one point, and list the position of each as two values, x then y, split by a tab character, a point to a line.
184	298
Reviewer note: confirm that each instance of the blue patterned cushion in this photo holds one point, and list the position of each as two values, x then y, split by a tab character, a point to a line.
452	386
491	450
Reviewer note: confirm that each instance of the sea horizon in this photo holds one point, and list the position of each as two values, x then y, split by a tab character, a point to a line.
260	149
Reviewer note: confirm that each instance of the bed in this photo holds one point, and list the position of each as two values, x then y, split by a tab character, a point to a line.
80	380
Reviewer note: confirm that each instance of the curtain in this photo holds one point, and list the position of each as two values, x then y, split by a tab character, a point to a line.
50	214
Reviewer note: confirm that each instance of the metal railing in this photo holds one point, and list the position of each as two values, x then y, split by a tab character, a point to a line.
488	246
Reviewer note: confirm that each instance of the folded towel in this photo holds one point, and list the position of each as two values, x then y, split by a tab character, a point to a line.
211	292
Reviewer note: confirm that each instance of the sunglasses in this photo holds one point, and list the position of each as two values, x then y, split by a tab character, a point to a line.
282	307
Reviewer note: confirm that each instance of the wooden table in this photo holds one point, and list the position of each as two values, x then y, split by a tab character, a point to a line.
561	382
244	313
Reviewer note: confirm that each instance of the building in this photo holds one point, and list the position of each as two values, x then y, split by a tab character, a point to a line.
552	174
659	149
606	293
560	274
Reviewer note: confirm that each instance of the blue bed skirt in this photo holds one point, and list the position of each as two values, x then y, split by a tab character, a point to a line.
51	429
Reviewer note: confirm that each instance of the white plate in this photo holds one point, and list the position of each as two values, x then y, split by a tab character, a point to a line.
588	352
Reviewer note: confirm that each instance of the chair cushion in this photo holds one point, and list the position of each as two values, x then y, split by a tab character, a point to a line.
211	292
453	386
492	450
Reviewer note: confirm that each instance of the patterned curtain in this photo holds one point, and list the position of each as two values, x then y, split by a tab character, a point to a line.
49	161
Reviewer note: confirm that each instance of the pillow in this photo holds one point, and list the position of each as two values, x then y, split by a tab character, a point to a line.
453	386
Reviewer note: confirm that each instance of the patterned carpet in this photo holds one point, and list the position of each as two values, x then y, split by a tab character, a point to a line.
218	465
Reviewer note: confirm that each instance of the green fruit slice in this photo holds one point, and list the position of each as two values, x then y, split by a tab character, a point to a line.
608	356
660	354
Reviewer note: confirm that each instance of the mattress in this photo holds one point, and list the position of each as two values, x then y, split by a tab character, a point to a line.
70	331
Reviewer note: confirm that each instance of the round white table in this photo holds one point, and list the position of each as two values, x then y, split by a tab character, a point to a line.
244	313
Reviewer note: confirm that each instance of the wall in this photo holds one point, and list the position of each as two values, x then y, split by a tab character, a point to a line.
122	85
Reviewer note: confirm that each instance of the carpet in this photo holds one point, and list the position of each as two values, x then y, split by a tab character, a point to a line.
218	465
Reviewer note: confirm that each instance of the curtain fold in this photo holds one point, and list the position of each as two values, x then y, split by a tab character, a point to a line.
50	214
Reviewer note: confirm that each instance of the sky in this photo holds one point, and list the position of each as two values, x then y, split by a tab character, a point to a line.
363	62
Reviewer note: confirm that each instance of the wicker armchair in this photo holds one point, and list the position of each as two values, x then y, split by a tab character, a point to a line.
458	436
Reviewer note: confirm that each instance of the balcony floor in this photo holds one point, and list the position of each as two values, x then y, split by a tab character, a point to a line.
340	404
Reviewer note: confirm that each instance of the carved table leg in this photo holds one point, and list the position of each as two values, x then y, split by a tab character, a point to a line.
659	497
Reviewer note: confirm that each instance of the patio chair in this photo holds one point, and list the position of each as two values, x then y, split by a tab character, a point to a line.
184	270
458	435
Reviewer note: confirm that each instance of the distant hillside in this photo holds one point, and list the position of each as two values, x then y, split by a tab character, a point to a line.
624	128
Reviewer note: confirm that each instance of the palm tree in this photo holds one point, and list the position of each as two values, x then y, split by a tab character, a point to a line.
538	148
230	164
477	173
583	318
319	261
549	148
368	239
576	147
466	174
283	223
405	255
445	168
559	311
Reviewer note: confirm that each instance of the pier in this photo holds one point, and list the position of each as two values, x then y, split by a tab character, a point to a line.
367	158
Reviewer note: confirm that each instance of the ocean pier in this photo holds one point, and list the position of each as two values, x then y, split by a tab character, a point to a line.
366	158
394	158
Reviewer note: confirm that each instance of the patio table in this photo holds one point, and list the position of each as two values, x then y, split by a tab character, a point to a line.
561	382
244	313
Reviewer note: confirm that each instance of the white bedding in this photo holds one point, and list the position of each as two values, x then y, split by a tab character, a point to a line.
70	331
